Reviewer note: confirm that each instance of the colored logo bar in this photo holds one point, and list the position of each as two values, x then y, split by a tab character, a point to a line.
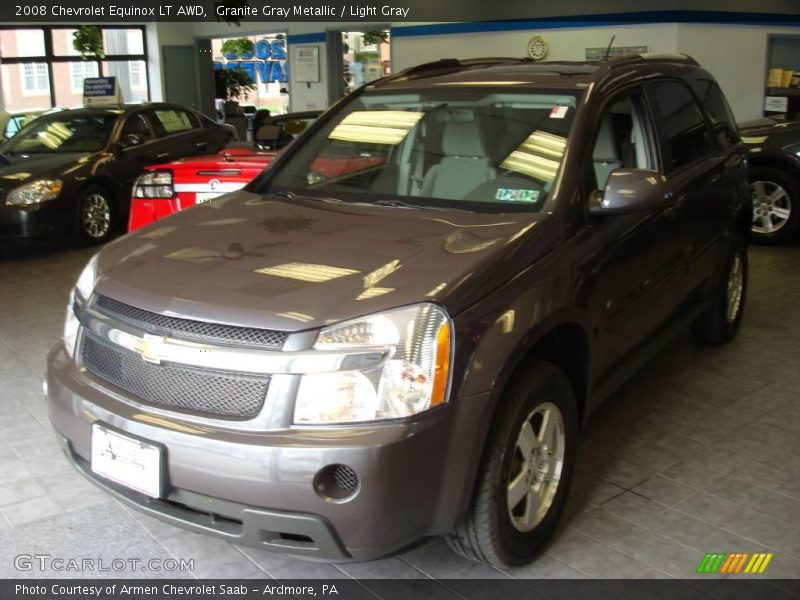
734	563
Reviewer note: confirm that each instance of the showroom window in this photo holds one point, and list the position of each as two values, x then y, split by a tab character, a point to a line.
266	65
80	71
135	72
35	78
40	69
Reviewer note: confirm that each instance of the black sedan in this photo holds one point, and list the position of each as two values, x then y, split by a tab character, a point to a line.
774	157
71	172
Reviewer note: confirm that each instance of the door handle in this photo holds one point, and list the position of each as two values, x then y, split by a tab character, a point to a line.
201	144
162	155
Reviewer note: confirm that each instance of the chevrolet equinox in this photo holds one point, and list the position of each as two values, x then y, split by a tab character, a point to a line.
336	365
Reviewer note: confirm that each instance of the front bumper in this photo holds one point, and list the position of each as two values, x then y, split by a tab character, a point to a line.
257	487
48	219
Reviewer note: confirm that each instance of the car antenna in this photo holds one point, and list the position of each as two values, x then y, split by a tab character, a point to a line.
608	50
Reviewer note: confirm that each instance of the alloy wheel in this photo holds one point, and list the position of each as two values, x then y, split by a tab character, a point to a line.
536	467
772	206
96	216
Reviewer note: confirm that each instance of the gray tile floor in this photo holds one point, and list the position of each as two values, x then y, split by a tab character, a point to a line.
699	453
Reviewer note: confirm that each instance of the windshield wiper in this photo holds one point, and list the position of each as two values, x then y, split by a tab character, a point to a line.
402	204
292	195
331	199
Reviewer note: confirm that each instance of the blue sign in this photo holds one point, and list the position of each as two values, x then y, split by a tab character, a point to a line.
98	86
265	63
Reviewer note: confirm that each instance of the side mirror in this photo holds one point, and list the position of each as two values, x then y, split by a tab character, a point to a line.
129	140
631	190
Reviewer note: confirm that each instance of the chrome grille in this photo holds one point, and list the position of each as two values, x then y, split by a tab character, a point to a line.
217	393
198	331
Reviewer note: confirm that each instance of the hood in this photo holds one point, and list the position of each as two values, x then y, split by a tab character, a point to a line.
296	264
17	169
765	127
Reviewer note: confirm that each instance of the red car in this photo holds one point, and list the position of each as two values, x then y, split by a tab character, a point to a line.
167	188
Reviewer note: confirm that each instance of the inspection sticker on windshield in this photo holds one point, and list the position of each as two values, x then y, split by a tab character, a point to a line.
509	195
558	112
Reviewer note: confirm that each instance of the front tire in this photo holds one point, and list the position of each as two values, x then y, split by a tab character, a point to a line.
525	474
95	218
720	323
775	206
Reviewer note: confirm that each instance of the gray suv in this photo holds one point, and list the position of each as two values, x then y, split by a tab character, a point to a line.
397	330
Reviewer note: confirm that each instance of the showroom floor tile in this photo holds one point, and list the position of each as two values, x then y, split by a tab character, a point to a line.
699	453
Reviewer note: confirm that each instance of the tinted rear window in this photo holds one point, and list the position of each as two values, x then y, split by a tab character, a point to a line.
170	121
722	121
683	122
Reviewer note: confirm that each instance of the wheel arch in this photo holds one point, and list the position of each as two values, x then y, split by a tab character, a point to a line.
567	347
775	161
103	181
562	340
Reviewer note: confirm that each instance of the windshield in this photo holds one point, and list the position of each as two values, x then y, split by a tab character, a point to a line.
78	133
471	148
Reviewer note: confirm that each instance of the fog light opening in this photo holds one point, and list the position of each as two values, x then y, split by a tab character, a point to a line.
286	539
337	483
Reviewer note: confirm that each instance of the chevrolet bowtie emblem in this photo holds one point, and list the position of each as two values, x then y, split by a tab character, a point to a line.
149	346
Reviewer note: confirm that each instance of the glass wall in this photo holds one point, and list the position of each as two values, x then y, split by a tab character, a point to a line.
365	57
41	70
267	66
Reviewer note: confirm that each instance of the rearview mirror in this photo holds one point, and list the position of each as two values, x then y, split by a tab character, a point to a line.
631	190
131	139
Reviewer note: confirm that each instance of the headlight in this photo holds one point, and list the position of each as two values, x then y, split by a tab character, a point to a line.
154	184
78	296
71	326
34	192
85	284
413	379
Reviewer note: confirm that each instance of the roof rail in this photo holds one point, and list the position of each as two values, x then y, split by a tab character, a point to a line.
654	57
455	63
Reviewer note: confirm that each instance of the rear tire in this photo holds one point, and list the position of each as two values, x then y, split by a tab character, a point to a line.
499	529
776	204
720	323
95	218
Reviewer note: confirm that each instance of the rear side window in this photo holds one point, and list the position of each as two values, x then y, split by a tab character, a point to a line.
722	122
169	121
683	124
137	124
